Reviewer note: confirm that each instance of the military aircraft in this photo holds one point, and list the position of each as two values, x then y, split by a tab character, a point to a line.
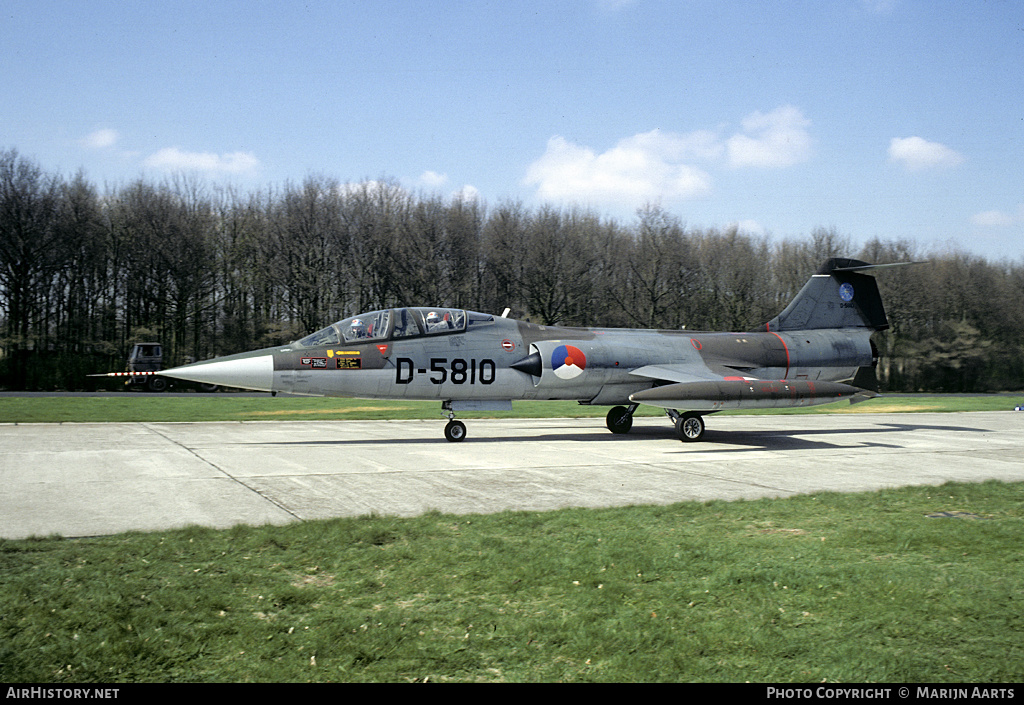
817	351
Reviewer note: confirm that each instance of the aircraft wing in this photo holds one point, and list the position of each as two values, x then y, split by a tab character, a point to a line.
676	373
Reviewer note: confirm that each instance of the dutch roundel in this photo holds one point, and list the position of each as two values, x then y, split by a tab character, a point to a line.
568	362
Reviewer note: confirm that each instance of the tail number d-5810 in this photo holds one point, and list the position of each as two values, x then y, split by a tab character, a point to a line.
459	371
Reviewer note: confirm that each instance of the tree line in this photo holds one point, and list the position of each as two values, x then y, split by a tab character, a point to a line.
208	271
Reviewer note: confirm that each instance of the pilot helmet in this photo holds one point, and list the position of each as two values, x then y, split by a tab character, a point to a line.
432	317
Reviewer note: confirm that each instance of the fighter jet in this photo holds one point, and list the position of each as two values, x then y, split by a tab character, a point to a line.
817	351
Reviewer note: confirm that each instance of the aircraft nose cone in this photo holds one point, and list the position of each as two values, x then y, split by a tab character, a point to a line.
255	372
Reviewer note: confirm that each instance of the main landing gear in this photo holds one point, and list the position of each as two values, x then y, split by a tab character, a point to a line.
689	426
620	419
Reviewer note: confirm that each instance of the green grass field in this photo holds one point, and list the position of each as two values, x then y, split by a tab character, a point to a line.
915	585
130	407
820	588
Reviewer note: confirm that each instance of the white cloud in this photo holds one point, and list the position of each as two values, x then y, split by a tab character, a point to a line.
372	188
995	219
643	167
775	139
173	159
432	179
467	194
700	144
999	219
656	165
916	153
100	139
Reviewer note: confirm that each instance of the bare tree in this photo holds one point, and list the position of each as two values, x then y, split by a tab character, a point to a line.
83	274
30	254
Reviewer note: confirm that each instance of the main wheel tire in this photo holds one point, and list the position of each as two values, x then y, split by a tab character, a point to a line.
690	427
619	420
455	431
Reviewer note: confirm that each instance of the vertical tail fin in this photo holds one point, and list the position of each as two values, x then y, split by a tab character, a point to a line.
838	296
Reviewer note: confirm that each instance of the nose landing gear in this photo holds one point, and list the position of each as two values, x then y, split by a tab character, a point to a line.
454	431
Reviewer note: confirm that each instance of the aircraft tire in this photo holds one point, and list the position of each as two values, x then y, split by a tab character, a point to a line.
690	428
618	420
455	431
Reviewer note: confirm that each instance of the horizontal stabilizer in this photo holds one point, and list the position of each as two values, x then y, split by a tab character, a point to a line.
865	379
863	395
865	267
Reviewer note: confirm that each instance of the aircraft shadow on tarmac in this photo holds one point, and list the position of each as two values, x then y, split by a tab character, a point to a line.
715	440
795	439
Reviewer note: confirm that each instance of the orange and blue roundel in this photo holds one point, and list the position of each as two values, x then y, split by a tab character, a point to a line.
568	362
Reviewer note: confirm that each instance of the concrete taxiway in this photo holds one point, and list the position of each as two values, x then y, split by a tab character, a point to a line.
97	479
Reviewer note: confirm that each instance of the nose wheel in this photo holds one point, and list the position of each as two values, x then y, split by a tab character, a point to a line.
455	431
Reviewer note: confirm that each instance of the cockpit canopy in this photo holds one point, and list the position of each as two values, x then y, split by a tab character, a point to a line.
394	324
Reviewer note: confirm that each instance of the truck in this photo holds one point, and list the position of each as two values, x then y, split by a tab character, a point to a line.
142	370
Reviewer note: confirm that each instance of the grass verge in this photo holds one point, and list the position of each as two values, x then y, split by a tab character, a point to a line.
233	407
829	587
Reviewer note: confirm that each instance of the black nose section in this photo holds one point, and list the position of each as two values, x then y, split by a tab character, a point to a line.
530	365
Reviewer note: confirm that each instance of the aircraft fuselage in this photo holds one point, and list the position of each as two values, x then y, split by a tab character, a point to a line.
816	351
477	363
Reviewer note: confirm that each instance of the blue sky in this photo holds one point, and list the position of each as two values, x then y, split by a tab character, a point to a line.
897	119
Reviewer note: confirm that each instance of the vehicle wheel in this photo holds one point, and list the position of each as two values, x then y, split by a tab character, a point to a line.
690	427
208	388
619	420
157	384
455	431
